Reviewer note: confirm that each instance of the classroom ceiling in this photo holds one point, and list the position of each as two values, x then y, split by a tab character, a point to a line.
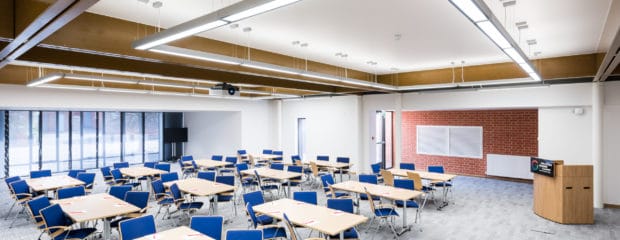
399	35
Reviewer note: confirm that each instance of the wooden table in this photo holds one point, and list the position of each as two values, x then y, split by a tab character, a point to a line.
141	171
388	192
437	177
178	233
208	163
282	176
202	188
319	218
336	165
96	206
52	183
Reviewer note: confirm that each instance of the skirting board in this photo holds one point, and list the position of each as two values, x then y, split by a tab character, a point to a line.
611	205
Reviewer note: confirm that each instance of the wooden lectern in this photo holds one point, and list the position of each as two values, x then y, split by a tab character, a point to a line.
567	197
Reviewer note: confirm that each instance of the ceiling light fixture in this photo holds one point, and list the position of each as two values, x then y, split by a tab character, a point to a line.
99	78
69	87
428	86
123	90
478	12
230	14
270	67
199	55
165	84
45	79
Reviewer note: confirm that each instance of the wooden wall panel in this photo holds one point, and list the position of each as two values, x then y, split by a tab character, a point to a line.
568	67
6	19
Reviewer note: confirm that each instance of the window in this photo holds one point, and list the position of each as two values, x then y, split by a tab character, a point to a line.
19	143
112	138
89	140
49	145
152	136
133	138
64	145
2	147
454	141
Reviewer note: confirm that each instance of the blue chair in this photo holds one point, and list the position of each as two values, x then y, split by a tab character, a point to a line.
409	185
266	186
58	226
162	198
137	227
34	206
345	205
344	170
368	178
293	182
187	158
277	166
11	179
256	198
209	176
181	203
269	231
217	157
226	196
120	180
231	166
376	170
119	191
187	168
169	177
278	153
71	192
208	225
107	175
245	181
88	179
436	169
150	164
307	197
138	199
40	173
163	166
267	151
407	166
244	235
327	181
385	212
322	158
118	165
444	185
243	155
74	173
20	192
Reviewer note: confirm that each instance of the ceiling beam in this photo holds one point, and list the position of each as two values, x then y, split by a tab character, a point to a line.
611	60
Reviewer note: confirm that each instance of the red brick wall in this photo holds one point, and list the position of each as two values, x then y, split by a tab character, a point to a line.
510	132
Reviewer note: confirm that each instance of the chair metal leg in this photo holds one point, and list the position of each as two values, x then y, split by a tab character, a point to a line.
9	212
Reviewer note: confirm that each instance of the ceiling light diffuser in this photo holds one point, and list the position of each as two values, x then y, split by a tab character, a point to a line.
199	55
470	10
491	31
45	79
163	84
268	6
512	53
270	67
176	34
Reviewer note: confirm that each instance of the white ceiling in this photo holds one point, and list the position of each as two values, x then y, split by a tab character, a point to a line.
434	33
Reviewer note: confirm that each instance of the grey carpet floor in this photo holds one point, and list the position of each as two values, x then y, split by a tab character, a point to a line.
479	208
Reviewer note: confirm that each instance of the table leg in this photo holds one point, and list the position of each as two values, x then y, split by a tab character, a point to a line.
342	235
340	174
106	228
444	200
288	189
215	207
405	227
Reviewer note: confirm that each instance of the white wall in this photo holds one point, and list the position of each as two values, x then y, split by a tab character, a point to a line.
370	105
564	135
611	144
332	123
211	133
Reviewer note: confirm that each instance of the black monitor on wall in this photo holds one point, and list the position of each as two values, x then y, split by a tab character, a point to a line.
175	135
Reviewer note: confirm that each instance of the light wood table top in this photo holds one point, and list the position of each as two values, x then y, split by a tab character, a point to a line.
442	177
52	183
95	206
319	218
200	187
383	191
328	164
272	173
178	233
208	163
140	171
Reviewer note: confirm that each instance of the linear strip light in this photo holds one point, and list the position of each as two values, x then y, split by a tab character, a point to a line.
482	17
232	13
199	55
270	67
496	82
99	78
70	87
429	86
165	84
123	90
45	79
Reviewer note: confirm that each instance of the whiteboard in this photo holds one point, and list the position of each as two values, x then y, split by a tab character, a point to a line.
432	140
466	142
453	141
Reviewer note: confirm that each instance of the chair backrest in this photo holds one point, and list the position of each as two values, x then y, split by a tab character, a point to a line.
105	171
327	181
250	211
295	158
315	169
295	169
278	153
163	166
169	177
158	187
242	152
307	197
376	168
322	158
71	192
208	225
228	180
241	167
36	204
137	227
217	157
20	187
195	165
232	160
116	174
138	199
258	179
210	176
11	179
254	198
368	178
404	183
277	166
176	193
74	173
371	200
187	158
244	235
388	177
342	204
119	191
121	165
40	173
150	164
53	216
436	169
407	166
87	178
290	227
417	180
343	160
267	151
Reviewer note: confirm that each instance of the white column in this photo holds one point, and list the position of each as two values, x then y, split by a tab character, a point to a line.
398	109
597	141
279	123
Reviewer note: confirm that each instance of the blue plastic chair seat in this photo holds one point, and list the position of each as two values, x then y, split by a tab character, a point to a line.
81	233
363	196
382	212
191	205
348	234
264	219
274	232
410	204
